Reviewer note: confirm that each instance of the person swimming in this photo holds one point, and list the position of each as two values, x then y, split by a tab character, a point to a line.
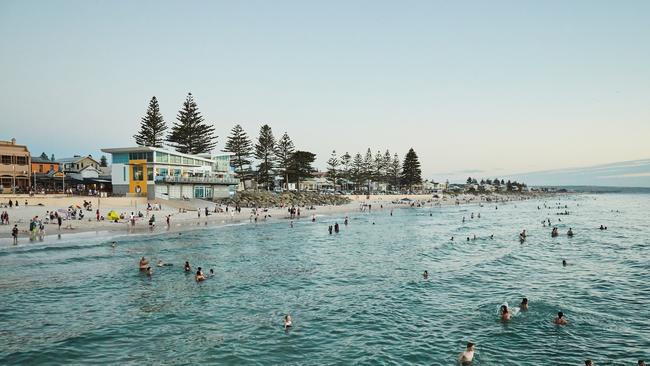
505	313
143	264
149	271
641	363
425	274
288	323
163	264
564	263
199	275
187	267
524	304
560	319
589	363
467	356
211	272
570	232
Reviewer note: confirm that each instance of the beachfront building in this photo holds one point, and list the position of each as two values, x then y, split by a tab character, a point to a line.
15	167
43	165
165	174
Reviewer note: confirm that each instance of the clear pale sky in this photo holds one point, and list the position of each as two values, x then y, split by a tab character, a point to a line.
477	88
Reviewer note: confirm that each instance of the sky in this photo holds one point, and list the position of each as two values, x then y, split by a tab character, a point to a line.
480	88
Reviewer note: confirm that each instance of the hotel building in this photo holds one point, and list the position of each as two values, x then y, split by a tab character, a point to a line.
15	167
165	174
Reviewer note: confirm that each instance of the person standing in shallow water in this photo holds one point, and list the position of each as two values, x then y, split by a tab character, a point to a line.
14	234
336	227
524	304
505	313
467	356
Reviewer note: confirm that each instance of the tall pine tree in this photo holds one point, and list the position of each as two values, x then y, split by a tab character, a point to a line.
411	172
190	135
265	153
300	165
357	171
395	173
346	161
283	152
333	172
152	127
240	145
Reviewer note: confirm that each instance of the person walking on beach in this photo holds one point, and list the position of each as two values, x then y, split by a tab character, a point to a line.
14	234
59	220
167	219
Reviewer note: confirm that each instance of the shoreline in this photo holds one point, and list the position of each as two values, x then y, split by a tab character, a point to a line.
189	220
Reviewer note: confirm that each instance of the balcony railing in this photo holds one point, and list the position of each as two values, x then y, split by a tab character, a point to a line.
197	180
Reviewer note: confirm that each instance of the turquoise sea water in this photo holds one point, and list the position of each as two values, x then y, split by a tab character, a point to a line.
356	298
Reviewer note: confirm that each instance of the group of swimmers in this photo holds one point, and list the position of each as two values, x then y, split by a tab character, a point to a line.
199	276
467	356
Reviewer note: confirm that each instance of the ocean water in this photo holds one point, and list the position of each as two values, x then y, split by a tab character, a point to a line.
357	297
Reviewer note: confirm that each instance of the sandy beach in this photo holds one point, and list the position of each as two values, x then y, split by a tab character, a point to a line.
186	218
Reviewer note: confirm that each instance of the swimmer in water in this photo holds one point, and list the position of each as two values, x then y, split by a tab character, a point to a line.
564	264
288	323
560	319
149	271
641	363
570	232
144	263
113	244
211	272
199	275
505	314
452	238
468	355
524	304
589	363
425	274
187	267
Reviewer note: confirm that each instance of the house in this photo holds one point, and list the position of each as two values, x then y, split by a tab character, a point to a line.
77	163
15	167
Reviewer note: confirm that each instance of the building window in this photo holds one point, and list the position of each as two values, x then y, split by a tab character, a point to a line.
40	168
177	172
150	173
164	172
138	173
6	159
162	157
21	160
199	192
124	174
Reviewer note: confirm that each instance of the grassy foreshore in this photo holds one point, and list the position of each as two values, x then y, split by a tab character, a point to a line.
270	206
